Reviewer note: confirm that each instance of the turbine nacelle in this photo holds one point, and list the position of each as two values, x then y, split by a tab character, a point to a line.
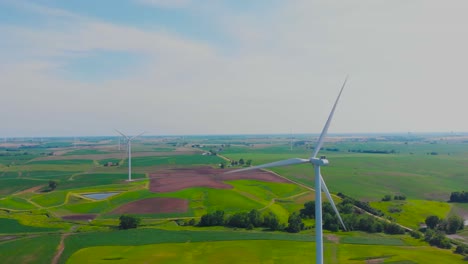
319	162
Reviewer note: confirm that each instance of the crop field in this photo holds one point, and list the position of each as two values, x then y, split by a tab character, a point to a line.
180	160
177	183
377	174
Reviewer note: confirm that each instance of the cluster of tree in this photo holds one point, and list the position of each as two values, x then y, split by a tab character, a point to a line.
128	221
51	186
432	153
437	238
353	219
388	197
399	197
295	223
247	220
450	225
462	249
363	205
459	197
371	151
436	228
241	162
182	222
212	219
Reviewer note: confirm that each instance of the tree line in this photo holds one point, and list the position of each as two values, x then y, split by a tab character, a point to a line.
459	197
248	220
354	219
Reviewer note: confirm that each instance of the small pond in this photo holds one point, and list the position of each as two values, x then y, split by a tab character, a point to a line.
100	196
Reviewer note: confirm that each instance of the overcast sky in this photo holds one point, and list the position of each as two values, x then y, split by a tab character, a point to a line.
77	68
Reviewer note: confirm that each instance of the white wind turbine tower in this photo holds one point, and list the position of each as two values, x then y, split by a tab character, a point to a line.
319	182
129	147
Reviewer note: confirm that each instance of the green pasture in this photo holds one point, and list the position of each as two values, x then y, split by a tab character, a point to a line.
85	152
261	251
51	175
12	226
49	199
371	176
10	186
34	250
35	218
16	203
95	179
364	238
267	190
350	253
413	212
178	160
88	207
9	175
203	200
163	149
16	160
63	162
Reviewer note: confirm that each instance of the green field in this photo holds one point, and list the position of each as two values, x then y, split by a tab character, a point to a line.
180	160
63	162
259	251
155	236
29	250
413	212
12	226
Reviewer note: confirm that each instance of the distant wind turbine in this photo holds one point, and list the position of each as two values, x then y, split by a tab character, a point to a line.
129	147
319	182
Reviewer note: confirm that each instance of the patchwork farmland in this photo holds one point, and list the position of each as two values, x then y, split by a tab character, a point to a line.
69	199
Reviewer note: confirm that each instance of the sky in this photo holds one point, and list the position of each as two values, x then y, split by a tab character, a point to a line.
181	67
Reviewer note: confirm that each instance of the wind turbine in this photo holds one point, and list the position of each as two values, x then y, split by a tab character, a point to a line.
319	182
129	147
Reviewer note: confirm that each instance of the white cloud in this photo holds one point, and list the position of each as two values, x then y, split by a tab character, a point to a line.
405	60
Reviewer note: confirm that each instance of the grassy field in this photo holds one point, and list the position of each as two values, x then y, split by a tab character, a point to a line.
32	250
62	162
413	212
16	203
259	251
12	226
155	236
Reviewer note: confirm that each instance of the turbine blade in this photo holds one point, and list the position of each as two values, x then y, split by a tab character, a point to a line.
137	135
327	124
273	164
325	189
125	136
